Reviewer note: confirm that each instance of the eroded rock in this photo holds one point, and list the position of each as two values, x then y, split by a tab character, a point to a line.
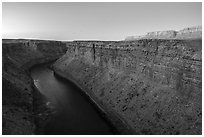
153	85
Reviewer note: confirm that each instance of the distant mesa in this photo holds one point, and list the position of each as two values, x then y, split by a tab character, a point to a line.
186	33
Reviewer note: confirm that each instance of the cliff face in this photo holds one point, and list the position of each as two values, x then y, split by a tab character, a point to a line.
153	85
186	33
17	87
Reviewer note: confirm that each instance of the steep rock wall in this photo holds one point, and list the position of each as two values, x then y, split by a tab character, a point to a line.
18	56
152	85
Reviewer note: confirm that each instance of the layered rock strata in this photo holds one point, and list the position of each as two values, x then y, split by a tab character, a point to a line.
154	86
186	33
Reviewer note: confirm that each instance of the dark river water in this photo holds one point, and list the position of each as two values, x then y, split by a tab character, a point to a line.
74	112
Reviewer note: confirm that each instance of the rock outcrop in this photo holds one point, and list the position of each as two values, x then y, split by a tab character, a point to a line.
187	33
151	85
18	94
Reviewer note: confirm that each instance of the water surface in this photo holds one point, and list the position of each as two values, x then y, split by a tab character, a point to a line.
74	112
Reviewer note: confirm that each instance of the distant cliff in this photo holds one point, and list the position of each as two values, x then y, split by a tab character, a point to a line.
186	33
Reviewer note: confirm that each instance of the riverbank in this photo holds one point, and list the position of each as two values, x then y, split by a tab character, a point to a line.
19	97
26	105
41	110
74	112
115	120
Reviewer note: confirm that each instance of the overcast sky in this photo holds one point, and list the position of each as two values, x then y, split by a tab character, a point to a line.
96	21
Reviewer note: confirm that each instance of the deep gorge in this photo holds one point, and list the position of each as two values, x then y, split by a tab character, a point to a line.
72	113
147	86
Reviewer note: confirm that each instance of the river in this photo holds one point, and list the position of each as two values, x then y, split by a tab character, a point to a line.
75	114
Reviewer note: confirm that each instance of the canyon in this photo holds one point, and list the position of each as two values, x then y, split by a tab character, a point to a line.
143	86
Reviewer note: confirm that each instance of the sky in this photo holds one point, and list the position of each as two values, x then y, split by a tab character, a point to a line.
95	21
